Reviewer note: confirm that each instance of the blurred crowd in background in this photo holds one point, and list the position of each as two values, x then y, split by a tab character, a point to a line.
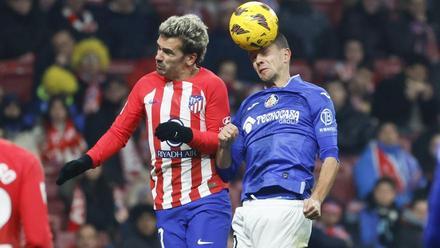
66	67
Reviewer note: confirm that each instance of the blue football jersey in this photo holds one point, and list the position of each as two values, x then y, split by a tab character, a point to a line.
281	131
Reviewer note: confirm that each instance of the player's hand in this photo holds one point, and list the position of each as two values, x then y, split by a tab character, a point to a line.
173	131
74	168
312	208
227	135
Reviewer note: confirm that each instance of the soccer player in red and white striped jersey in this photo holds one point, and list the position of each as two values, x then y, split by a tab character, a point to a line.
185	106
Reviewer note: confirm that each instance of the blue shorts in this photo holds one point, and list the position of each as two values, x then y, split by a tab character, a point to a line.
202	223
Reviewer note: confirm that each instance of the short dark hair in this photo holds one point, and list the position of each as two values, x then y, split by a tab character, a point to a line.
281	41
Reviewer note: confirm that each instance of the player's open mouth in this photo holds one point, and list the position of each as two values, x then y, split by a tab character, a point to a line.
262	70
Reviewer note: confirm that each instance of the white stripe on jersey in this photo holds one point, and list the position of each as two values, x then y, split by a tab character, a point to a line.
148	102
206	161
185	116
165	110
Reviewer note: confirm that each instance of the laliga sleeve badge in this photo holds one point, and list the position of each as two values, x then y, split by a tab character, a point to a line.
271	101
327	117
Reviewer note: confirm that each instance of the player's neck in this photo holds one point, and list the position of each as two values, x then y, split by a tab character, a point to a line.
281	81
188	73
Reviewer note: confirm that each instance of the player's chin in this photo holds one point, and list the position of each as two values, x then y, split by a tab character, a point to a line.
160	70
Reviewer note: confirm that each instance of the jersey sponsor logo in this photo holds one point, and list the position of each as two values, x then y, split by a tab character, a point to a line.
247	126
177	154
7	175
271	101
172	143
327	117
195	103
200	242
284	116
226	120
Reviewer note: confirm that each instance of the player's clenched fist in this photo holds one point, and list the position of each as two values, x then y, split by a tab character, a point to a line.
227	135
312	208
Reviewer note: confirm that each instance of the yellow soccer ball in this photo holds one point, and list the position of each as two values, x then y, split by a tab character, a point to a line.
253	25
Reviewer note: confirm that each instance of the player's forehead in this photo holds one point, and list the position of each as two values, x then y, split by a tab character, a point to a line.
170	43
264	51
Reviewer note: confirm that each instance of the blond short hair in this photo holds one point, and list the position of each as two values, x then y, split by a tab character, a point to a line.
191	30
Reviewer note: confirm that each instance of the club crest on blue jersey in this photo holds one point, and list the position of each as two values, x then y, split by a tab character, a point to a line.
271	101
195	103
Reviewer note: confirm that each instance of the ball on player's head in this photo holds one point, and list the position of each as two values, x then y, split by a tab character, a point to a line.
253	25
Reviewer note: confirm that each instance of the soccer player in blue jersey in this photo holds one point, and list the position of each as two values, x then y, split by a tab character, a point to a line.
279	131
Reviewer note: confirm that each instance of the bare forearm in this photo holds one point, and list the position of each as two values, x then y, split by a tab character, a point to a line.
326	179
223	157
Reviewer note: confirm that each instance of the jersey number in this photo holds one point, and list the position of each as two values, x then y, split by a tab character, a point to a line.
6	207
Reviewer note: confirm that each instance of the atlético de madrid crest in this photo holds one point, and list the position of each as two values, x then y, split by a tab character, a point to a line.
195	103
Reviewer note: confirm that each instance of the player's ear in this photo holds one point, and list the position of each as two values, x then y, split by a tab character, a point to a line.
287	54
190	59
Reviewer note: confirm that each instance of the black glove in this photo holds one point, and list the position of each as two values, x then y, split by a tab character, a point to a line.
174	132
74	168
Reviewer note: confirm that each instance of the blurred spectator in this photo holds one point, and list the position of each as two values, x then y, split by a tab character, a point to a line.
60	143
90	61
11	116
119	16
221	47
237	90
94	203
365	22
361	89
353	58
378	222
307	30
87	237
385	157
410	33
16	125
330	224
140	229
424	150
57	81
74	16
355	127
22	28
413	220
56	52
408	99
114	95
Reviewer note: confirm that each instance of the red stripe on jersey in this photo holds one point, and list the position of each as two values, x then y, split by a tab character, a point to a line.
155	119
176	168
196	171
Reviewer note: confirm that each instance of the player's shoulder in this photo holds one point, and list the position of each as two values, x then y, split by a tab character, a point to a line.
207	75
149	79
313	93
15	156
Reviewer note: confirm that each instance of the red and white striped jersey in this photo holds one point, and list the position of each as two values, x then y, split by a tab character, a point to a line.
181	172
